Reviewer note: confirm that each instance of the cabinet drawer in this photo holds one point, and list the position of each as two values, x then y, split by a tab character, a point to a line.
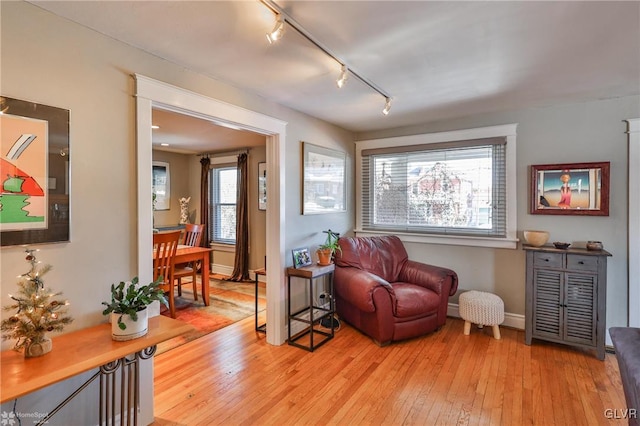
577	262
549	260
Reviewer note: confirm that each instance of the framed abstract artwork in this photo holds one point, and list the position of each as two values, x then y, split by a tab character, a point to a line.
570	189
34	173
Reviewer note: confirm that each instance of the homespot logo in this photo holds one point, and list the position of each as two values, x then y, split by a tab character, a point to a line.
12	418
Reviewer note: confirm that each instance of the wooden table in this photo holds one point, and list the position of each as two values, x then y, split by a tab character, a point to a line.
186	254
80	351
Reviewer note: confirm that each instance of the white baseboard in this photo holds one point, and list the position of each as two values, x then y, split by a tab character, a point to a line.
228	270
510	320
221	269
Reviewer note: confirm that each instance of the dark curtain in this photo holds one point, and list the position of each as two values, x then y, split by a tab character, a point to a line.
241	264
204	200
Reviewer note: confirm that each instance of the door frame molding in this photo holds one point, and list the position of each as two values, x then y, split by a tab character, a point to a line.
153	93
633	130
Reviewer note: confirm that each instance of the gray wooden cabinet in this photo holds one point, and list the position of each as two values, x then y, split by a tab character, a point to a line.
566	295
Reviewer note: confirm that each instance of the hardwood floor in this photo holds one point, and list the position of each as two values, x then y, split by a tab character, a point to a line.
233	377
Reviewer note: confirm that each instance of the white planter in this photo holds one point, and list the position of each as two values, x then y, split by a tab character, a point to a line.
133	330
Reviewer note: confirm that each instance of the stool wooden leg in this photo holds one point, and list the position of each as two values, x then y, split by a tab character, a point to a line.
467	328
496	332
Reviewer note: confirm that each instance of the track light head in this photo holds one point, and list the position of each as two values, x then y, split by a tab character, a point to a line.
344	75
387	106
278	30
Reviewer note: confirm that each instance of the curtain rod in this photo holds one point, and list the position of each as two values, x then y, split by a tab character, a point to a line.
228	151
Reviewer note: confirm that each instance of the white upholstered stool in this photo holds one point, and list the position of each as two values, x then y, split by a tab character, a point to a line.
481	308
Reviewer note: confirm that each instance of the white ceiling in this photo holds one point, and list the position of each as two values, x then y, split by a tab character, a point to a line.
437	60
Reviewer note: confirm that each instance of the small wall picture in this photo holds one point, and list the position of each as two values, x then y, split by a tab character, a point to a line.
323	180
301	257
161	181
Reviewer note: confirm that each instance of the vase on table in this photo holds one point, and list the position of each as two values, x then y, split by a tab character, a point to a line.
132	328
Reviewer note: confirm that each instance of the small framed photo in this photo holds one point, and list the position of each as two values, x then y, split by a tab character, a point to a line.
301	257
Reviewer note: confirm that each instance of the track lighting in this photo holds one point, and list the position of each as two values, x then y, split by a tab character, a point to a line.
278	30
387	106
344	74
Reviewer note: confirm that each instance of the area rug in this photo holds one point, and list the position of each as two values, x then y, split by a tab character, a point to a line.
229	302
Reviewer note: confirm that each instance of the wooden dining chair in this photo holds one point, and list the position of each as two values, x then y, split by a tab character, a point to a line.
193	238
165	245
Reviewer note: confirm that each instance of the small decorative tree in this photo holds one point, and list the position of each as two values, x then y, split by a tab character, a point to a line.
39	311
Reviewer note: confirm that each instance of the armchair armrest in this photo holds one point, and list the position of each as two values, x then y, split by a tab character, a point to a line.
357	287
434	278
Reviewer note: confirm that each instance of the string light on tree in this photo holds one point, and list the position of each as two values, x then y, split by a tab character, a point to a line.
39	311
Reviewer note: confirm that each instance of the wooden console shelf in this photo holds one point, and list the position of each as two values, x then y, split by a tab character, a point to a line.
77	352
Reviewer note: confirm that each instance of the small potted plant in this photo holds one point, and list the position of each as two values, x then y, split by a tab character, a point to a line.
325	251
128	307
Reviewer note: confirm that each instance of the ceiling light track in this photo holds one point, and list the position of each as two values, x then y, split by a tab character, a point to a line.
278	30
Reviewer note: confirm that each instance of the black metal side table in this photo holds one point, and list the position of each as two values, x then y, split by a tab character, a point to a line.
311	315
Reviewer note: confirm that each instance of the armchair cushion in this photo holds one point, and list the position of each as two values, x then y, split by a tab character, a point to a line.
413	300
382	256
361	286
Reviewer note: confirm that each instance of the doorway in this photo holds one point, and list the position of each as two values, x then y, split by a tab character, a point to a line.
152	93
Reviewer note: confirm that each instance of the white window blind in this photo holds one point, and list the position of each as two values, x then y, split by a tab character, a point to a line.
450	188
223	196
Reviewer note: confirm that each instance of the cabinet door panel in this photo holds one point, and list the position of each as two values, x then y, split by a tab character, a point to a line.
580	300
547	312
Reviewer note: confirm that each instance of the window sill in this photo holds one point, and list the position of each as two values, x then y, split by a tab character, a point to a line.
223	247
503	243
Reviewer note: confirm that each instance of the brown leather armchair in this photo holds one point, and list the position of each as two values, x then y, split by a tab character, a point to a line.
388	297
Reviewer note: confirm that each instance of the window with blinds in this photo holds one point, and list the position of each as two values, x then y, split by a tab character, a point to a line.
222	211
450	188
